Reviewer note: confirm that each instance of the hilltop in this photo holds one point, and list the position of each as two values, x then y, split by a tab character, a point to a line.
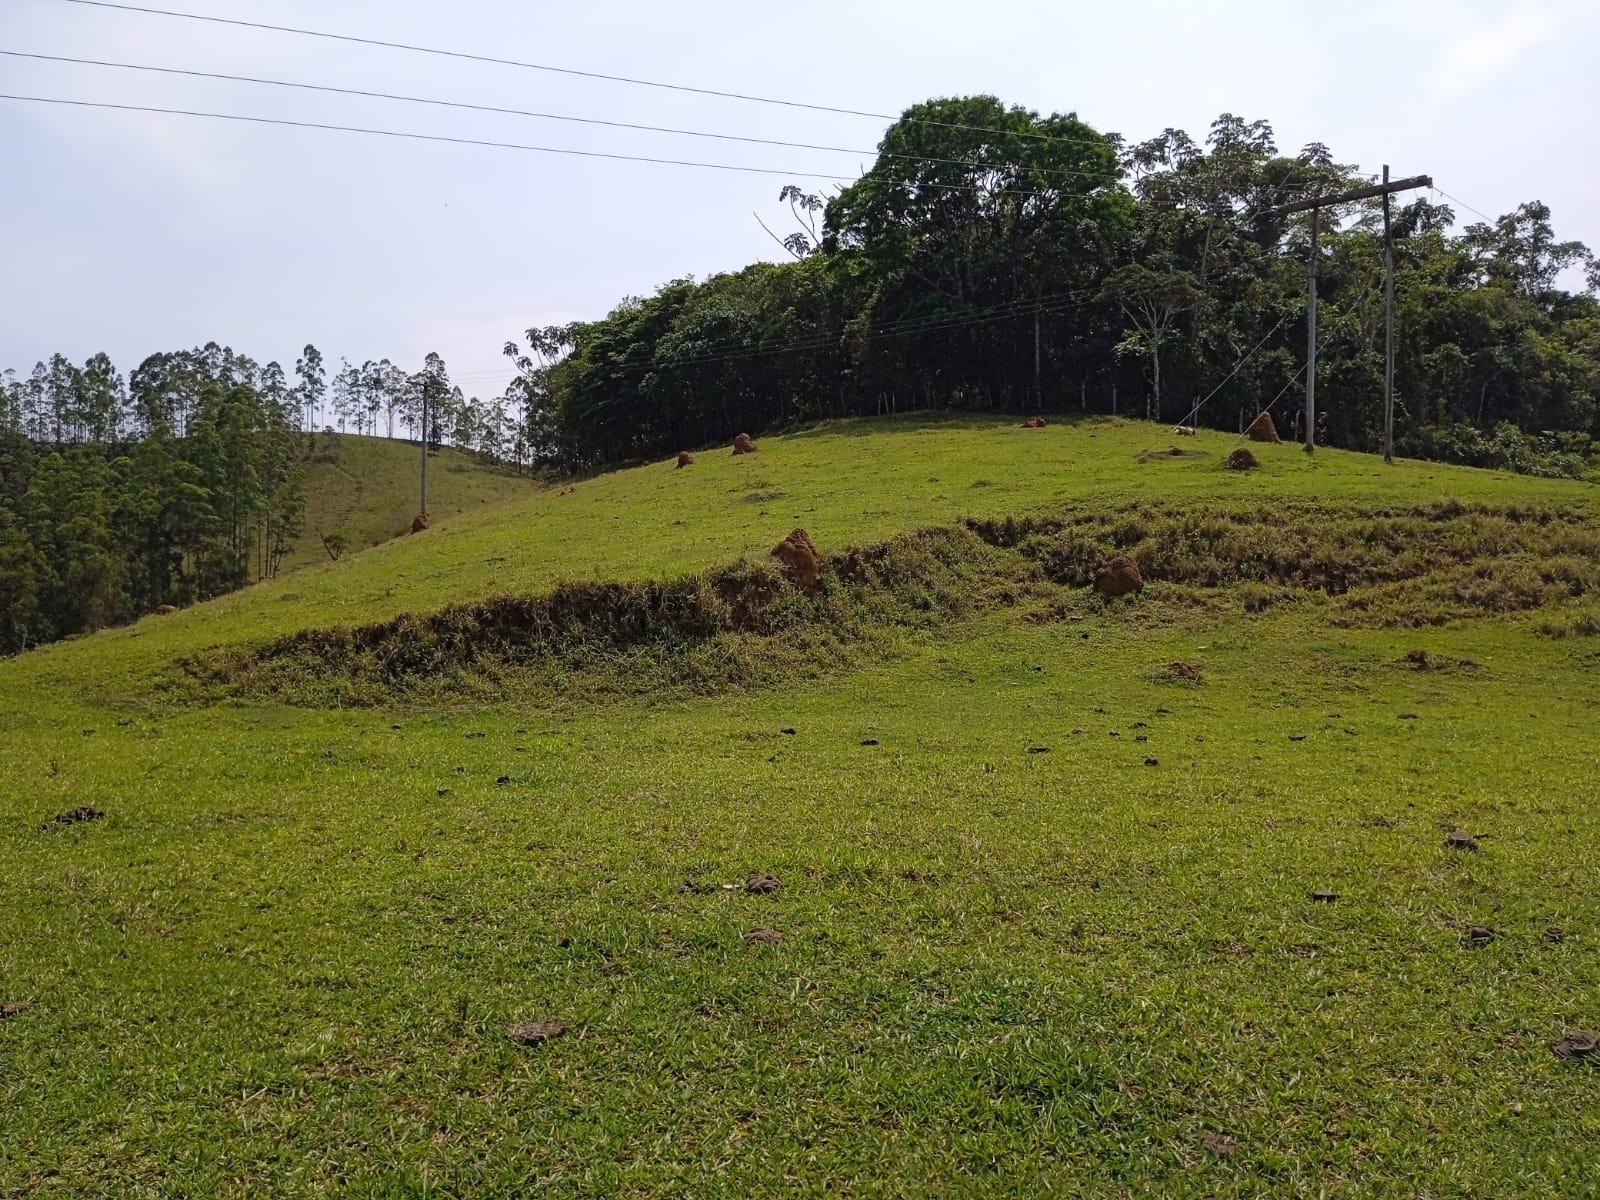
368	487
1042	910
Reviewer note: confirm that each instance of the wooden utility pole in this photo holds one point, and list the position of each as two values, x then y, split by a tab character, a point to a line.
1388	328
424	509
1315	207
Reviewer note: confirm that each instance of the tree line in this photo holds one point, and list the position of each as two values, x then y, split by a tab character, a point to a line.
183	480
993	259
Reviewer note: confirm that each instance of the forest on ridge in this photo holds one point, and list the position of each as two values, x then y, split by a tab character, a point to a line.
993	259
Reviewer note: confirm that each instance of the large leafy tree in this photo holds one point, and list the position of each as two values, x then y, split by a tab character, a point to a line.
972	212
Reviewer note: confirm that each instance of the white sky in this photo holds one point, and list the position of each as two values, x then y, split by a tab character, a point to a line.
133	233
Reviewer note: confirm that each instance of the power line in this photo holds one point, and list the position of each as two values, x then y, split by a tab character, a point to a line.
1284	390
519	112
484	142
1465	205
600	75
1237	367
422	137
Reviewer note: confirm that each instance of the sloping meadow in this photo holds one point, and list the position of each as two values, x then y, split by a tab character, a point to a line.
747	624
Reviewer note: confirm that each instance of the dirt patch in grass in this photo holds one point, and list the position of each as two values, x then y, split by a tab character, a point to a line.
1169	455
75	816
1421	660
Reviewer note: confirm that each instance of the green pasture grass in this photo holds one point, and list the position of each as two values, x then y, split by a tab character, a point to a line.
369	487
1015	959
283	962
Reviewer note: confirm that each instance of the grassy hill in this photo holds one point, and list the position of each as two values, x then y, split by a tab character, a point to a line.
368	487
1044	918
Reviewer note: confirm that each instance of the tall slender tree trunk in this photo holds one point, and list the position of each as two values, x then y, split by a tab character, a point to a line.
1153	409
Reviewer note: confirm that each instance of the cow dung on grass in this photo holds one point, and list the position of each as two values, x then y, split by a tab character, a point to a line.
1577	1046
75	816
534	1033
1118	576
1262	429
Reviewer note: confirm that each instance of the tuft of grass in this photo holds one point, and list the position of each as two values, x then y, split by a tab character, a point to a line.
1581	624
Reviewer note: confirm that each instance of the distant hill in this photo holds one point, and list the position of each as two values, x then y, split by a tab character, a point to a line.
368	487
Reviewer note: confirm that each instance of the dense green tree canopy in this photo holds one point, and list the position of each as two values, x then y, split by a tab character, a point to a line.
995	259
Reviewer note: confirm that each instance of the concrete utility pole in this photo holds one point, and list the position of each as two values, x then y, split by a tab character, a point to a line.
1315	207
424	509
1311	341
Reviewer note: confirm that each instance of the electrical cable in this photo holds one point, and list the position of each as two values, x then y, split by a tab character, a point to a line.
599	75
497	145
1465	205
1237	367
518	112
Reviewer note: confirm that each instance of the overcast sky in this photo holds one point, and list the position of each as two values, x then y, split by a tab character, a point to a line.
132	233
